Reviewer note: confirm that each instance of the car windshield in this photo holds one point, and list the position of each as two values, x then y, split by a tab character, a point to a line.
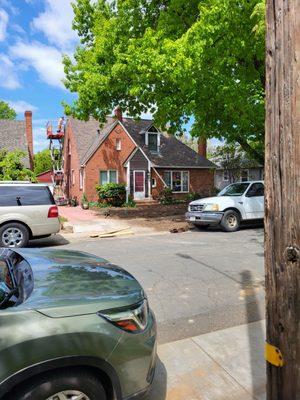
236	189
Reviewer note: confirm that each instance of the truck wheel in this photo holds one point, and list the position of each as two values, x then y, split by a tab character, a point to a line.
13	235
231	221
62	385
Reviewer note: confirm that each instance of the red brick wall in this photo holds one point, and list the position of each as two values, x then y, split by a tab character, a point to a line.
108	158
201	181
71	163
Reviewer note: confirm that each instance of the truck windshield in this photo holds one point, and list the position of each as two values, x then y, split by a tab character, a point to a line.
236	189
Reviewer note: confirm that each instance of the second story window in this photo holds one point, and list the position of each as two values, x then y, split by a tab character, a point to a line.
118	144
153	142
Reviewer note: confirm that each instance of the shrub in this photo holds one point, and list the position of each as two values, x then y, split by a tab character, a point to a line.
166	196
112	194
130	203
192	196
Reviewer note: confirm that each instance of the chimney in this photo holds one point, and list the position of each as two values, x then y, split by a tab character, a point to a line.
118	113
202	146
29	137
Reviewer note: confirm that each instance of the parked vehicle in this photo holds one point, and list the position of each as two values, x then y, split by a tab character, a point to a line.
27	211
72	326
236	203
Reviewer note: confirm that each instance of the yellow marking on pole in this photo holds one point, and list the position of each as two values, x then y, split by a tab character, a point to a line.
273	355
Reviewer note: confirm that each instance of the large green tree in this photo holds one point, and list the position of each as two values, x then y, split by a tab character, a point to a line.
6	112
12	167
42	161
198	60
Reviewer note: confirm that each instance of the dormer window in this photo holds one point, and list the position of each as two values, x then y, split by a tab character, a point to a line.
152	139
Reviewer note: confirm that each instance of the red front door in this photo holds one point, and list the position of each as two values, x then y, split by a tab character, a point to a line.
139	184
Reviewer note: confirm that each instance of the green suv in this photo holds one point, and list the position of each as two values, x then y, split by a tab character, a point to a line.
72	327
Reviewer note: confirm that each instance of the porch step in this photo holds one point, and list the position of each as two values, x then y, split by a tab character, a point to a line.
146	202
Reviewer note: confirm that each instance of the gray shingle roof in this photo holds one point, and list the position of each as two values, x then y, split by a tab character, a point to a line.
87	137
173	153
13	137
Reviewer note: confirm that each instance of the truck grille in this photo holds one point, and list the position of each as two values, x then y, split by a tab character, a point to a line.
197	207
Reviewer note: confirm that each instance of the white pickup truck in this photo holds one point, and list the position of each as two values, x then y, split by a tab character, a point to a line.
240	201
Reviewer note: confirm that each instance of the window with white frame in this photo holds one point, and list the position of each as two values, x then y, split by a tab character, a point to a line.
110	176
118	144
178	181
81	172
73	177
153	182
152	139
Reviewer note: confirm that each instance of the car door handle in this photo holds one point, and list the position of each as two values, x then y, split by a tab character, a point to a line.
240	202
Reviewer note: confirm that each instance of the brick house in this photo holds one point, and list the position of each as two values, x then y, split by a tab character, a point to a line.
134	153
17	135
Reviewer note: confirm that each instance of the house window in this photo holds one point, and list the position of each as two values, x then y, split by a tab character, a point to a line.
118	144
178	181
81	172
153	141
73	177
245	175
153	182
225	175
110	176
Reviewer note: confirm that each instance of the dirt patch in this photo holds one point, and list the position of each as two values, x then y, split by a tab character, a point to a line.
156	216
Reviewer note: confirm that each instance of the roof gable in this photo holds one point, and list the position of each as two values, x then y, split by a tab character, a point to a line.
172	152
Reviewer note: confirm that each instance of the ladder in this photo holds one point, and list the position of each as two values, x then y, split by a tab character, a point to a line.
56	145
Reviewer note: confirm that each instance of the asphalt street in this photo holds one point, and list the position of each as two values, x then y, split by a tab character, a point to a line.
196	282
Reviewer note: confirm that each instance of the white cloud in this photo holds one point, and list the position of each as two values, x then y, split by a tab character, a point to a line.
46	60
20	106
3	24
40	141
8	76
56	23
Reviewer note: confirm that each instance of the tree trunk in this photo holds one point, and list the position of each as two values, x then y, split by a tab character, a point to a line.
282	170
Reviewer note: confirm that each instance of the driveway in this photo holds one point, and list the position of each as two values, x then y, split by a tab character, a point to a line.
196	282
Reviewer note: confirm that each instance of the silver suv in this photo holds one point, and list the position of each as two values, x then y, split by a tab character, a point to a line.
27	211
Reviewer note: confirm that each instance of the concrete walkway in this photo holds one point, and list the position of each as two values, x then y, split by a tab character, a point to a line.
89	221
223	365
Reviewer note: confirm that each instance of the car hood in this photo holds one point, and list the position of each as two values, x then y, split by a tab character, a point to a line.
67	283
223	201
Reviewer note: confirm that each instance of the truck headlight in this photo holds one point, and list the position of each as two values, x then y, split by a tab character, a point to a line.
211	207
133	319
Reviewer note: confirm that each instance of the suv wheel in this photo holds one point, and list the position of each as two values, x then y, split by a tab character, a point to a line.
63	385
13	235
230	221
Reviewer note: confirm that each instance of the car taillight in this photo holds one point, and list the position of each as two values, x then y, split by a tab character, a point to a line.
53	212
133	320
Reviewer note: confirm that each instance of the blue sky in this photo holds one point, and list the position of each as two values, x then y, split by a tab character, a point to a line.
33	36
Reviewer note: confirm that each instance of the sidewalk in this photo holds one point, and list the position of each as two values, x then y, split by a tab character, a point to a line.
222	365
88	221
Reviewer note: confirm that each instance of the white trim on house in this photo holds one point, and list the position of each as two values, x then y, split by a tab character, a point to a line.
181	167
149	181
130	157
160	177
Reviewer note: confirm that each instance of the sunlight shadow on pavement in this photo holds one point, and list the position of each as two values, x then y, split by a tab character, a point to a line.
256	336
158	390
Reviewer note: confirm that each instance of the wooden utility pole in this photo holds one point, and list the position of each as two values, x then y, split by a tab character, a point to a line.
282	241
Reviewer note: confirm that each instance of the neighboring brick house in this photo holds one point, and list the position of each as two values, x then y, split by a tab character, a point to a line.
134	153
17	135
